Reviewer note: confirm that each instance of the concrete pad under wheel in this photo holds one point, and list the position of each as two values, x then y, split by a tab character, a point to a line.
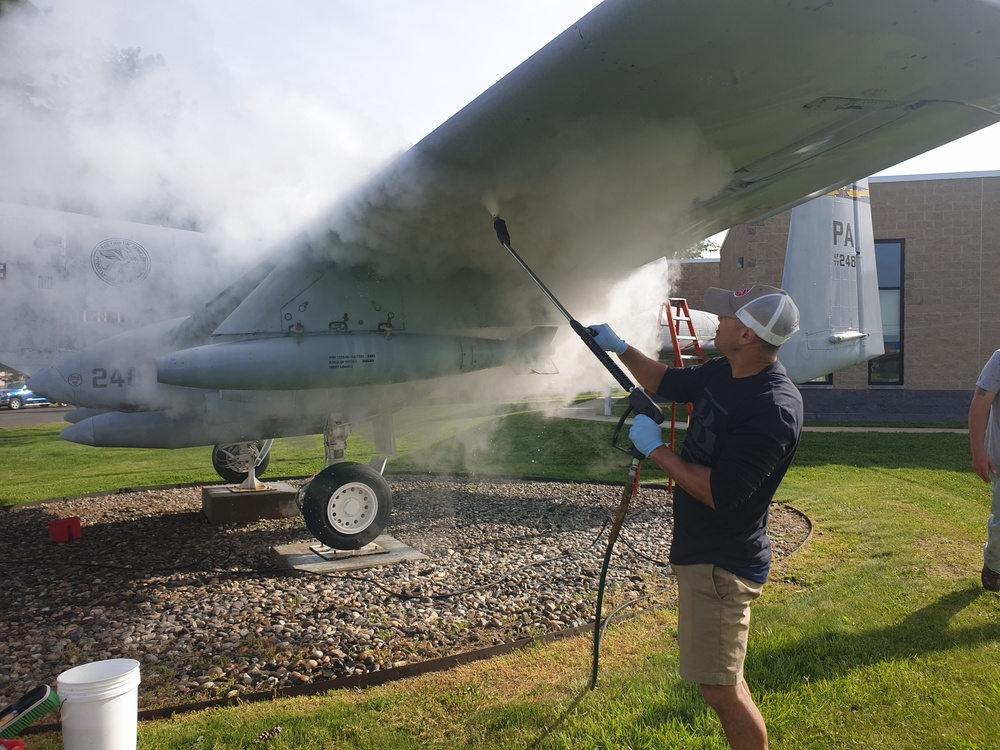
314	557
230	503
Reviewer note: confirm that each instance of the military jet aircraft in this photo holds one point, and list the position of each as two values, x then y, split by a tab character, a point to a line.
647	124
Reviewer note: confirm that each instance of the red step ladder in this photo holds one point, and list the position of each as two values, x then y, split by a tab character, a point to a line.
676	315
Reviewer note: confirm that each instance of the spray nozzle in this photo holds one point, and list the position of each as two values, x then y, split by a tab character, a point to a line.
500	227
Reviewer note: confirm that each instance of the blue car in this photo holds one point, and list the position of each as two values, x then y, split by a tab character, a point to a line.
17	395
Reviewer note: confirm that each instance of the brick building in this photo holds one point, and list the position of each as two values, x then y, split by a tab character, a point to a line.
937	243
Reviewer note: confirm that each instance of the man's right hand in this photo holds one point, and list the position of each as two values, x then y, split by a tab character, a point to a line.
607	339
983	466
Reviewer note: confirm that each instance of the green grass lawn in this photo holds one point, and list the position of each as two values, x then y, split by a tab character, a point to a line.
37	465
875	635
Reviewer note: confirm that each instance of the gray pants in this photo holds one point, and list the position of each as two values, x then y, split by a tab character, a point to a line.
991	552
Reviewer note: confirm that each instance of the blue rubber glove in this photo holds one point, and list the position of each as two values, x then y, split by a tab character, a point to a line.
645	434
607	339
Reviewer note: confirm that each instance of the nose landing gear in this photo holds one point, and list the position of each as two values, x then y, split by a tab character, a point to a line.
347	505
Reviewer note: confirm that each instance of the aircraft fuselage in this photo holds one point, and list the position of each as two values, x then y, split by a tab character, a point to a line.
152	388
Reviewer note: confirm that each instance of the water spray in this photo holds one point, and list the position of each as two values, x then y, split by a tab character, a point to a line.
639	402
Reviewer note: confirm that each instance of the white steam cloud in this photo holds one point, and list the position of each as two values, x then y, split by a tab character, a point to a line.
121	109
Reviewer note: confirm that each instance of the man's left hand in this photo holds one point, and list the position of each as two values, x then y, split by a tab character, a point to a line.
645	434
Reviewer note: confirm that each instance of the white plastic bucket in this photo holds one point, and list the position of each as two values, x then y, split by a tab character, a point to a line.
100	705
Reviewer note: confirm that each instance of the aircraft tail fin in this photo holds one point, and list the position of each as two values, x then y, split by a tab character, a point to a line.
830	273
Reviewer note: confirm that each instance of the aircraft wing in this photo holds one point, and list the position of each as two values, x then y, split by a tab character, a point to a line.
647	125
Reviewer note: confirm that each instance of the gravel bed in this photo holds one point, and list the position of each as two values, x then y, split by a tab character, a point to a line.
205	611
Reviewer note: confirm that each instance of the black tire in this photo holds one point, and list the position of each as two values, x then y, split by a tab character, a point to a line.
347	505
15	403
232	473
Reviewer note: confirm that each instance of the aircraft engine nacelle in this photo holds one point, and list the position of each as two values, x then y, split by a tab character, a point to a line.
330	361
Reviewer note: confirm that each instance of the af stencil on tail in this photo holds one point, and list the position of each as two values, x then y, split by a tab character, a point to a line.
830	272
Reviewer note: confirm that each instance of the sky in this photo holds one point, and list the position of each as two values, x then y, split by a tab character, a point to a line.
267	110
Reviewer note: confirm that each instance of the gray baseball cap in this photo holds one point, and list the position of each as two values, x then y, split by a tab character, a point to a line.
766	310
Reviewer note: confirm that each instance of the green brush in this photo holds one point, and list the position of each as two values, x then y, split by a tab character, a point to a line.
32	706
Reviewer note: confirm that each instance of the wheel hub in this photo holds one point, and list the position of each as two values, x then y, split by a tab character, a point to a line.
352	508
240	456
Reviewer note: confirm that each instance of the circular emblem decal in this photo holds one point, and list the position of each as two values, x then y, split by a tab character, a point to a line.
120	262
75	380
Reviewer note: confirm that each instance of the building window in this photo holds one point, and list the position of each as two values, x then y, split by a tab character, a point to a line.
821	380
888	369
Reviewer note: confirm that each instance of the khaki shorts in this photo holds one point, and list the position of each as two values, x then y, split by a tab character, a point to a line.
713	620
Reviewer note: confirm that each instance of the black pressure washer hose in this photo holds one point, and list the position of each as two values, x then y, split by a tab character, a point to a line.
639	403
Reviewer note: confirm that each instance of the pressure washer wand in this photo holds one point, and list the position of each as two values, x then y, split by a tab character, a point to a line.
638	400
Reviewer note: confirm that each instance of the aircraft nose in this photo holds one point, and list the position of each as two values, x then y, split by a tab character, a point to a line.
52	385
81	432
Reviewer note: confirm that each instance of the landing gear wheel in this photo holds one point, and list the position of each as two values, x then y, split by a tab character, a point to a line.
232	460
15	403
347	505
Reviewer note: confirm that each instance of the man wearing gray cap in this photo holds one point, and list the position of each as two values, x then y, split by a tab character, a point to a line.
740	441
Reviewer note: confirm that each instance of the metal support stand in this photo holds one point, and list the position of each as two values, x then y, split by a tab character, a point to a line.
251	483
